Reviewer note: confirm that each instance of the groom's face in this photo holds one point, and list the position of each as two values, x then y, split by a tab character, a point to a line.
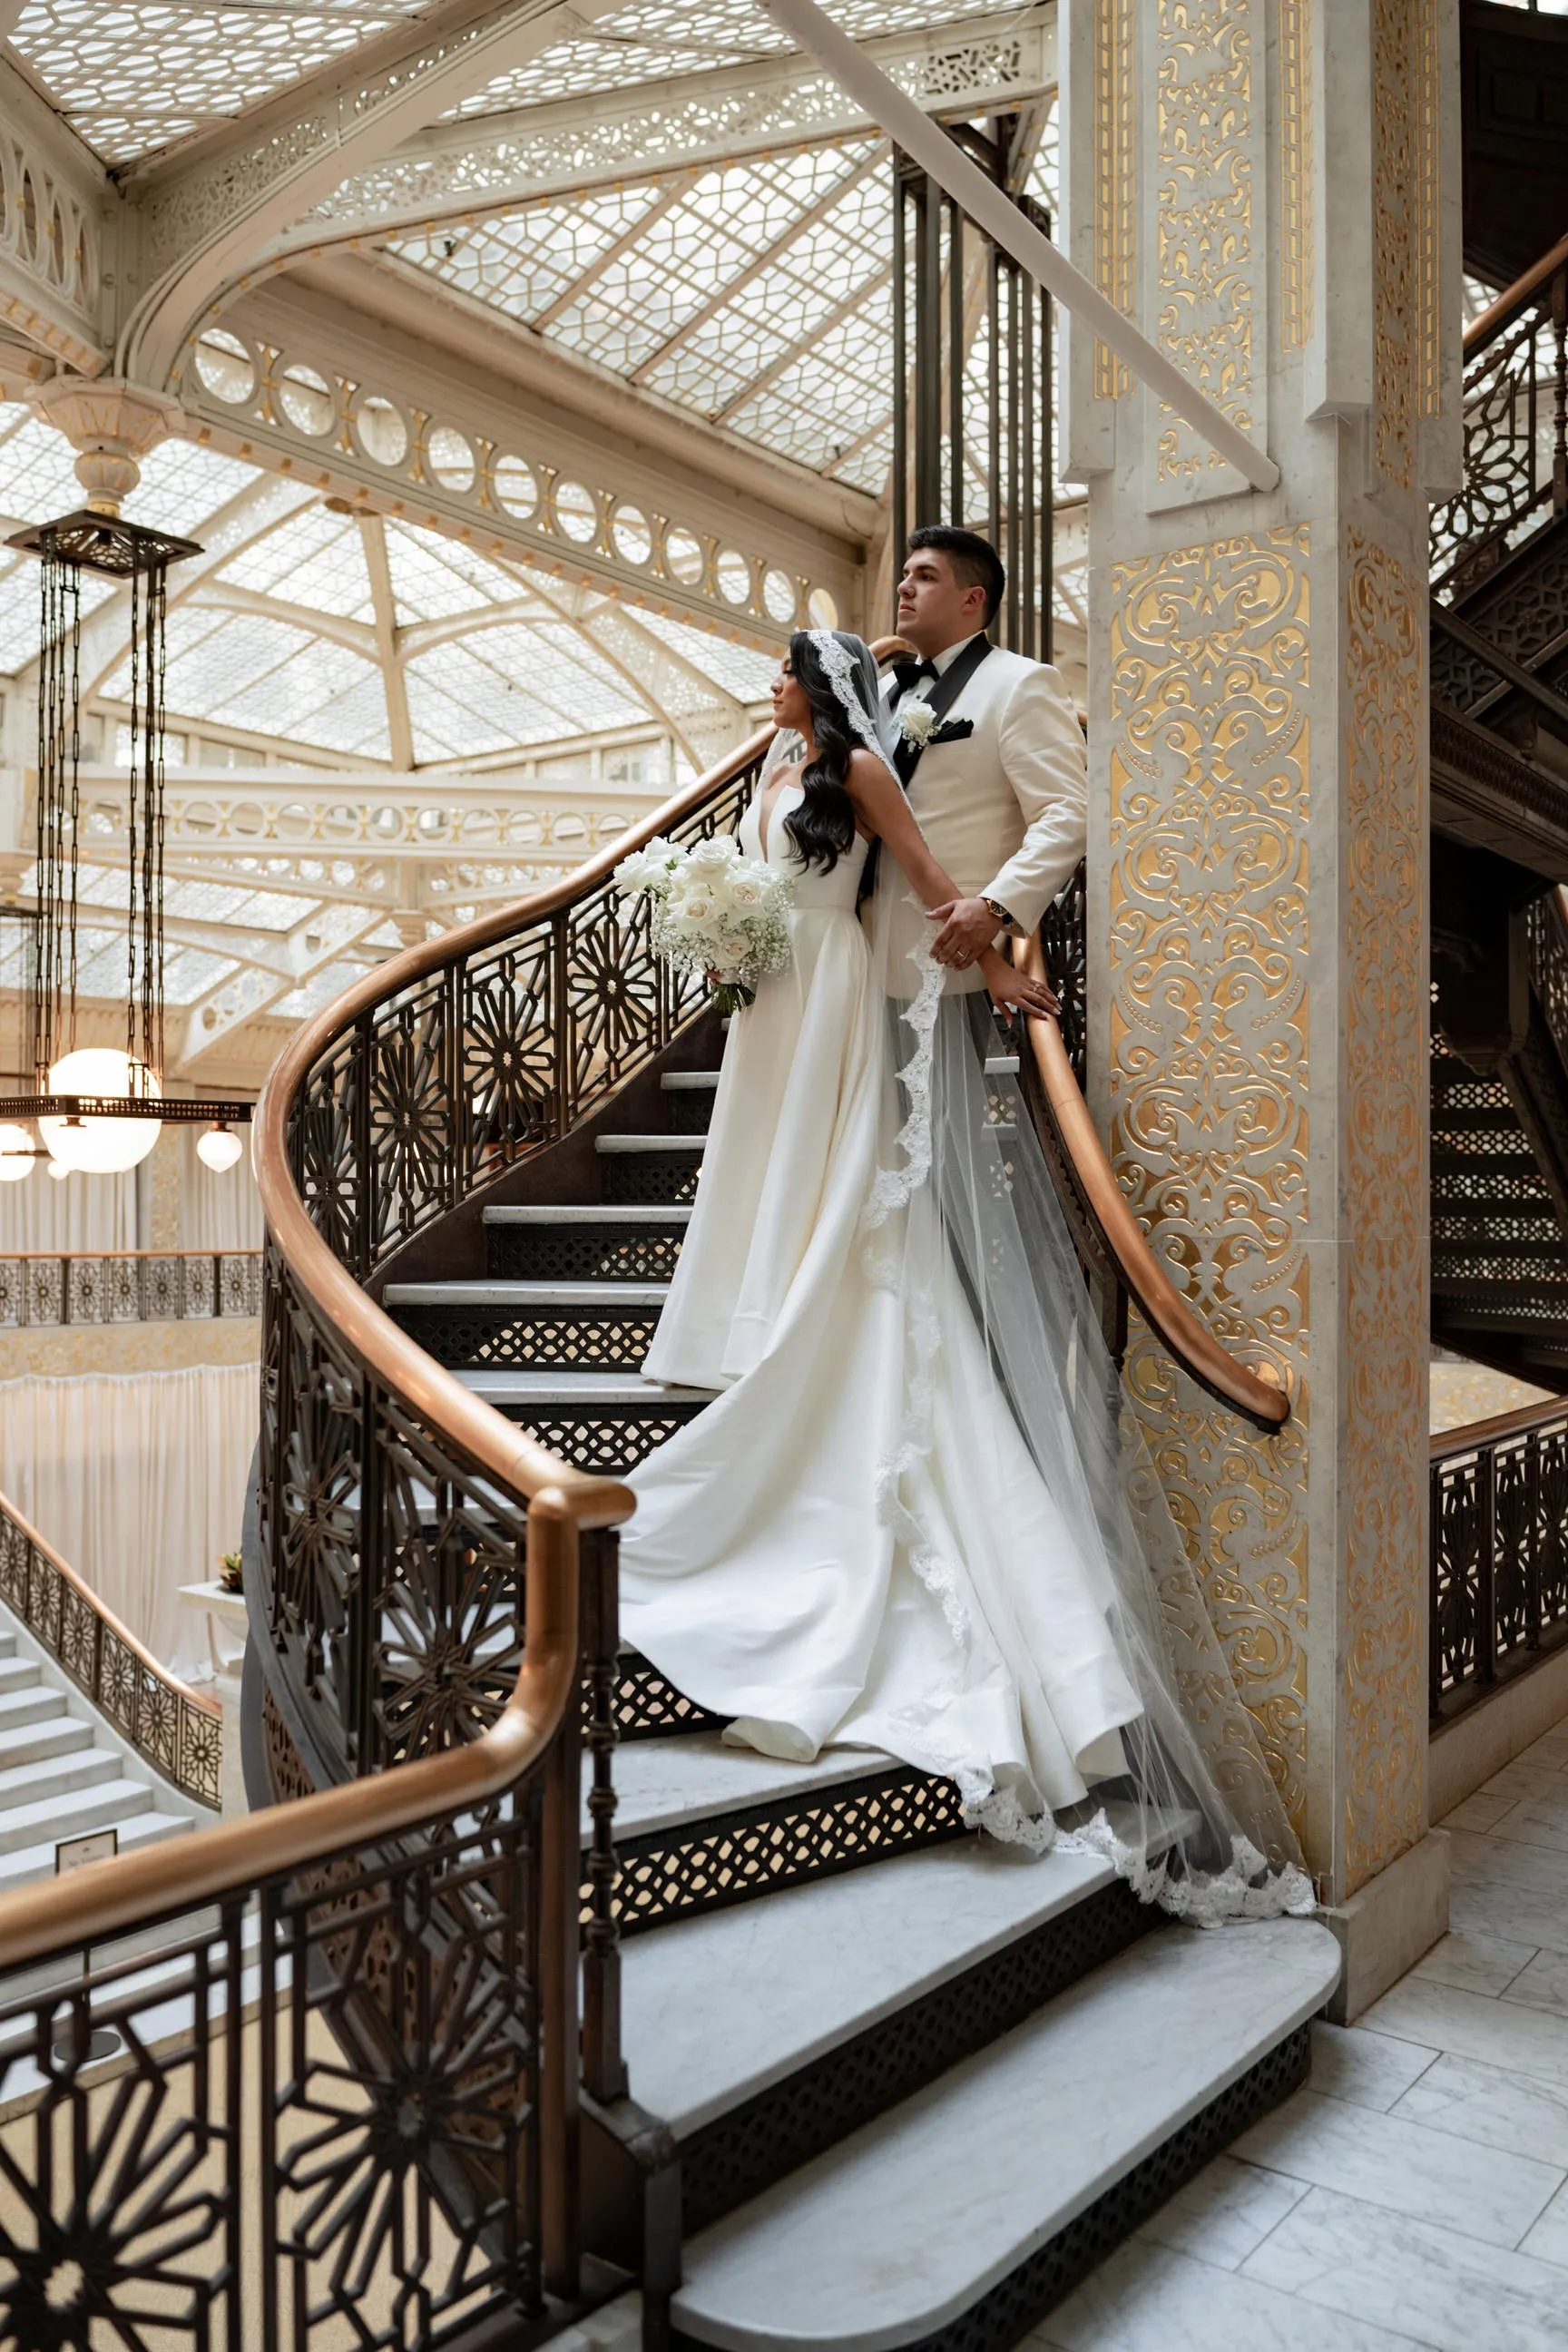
935	609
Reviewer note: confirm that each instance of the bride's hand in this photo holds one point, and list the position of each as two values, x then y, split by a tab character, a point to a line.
1011	988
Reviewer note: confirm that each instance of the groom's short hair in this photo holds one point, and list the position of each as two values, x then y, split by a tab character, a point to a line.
975	562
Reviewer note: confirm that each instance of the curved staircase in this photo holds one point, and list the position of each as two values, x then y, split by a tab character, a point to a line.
850	2075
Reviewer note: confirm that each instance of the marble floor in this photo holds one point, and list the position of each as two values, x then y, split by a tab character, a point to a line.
1415	2192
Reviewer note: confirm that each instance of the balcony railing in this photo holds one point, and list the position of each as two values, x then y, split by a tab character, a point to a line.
1515	427
41	1289
174	1729
1498	1594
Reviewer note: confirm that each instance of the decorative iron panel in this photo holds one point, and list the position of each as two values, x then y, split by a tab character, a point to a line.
596	1252
373	2147
179	1734
703	1866
533	1338
1513	443
1498	1593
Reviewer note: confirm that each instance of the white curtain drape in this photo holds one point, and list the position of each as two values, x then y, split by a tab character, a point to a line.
217	1213
138	1482
83	1214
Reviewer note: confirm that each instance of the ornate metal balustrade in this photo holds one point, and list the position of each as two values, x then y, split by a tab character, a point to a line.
1498	1595
1516	426
175	1729
394	2134
41	1290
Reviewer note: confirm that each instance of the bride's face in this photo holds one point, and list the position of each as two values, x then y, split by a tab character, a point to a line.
790	707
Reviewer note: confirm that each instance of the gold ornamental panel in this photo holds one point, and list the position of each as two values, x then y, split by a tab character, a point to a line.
1208	790
1205	140
1383	1464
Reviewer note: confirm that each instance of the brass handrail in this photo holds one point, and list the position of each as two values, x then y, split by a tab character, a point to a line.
104	1898
1512	299
1474	1436
194	1774
1188	1338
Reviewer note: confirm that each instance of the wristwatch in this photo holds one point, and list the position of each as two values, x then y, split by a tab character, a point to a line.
1000	911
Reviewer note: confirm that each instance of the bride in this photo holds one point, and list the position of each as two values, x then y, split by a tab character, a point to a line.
910	1521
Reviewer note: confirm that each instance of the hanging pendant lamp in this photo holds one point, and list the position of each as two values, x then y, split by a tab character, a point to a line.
100	1109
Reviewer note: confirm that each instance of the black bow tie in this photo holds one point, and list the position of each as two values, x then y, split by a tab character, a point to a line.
910	674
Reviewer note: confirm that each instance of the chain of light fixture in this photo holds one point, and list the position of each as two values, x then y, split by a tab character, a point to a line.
98	1109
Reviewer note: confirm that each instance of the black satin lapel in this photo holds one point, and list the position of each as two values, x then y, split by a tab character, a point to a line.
940	699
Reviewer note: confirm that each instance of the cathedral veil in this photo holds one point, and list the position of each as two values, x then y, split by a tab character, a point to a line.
964	1224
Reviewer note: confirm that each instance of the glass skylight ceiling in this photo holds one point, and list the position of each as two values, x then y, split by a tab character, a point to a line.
654	39
757	295
132	78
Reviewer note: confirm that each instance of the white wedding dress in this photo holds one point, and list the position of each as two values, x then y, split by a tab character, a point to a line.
853	1545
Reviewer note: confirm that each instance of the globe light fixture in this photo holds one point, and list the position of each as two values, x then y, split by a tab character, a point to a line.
59	1170
219	1148
16	1155
101	1147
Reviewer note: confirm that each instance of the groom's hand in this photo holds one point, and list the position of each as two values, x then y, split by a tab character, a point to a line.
968	928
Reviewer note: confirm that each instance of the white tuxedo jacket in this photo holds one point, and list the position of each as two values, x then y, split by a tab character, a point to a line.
1006	811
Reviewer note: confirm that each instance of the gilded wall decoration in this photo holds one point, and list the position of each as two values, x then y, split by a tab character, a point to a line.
1115	181
1406	313
1426	98
1205	140
1297	228
1385	1338
1208	1047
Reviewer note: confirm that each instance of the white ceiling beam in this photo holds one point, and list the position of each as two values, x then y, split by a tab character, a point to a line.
469	364
223	596
212	203
767	512
480	166
400	733
994	212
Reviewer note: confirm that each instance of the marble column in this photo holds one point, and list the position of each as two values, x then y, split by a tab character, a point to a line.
1270	189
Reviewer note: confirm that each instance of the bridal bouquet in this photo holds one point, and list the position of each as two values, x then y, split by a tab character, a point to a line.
714	910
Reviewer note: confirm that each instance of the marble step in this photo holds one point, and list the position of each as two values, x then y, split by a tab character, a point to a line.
46	1819
27	1864
601	1244
50	1735
760	2039
524	1326
966	2212
29	1702
700	1826
603	1421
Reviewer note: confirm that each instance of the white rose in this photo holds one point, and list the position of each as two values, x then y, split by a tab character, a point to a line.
916	720
648	869
745	894
716	851
694	906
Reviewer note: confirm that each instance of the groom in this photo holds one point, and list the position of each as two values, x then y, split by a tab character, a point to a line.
994	765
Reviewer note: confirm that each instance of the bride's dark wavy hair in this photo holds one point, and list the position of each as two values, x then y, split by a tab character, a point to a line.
822	828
